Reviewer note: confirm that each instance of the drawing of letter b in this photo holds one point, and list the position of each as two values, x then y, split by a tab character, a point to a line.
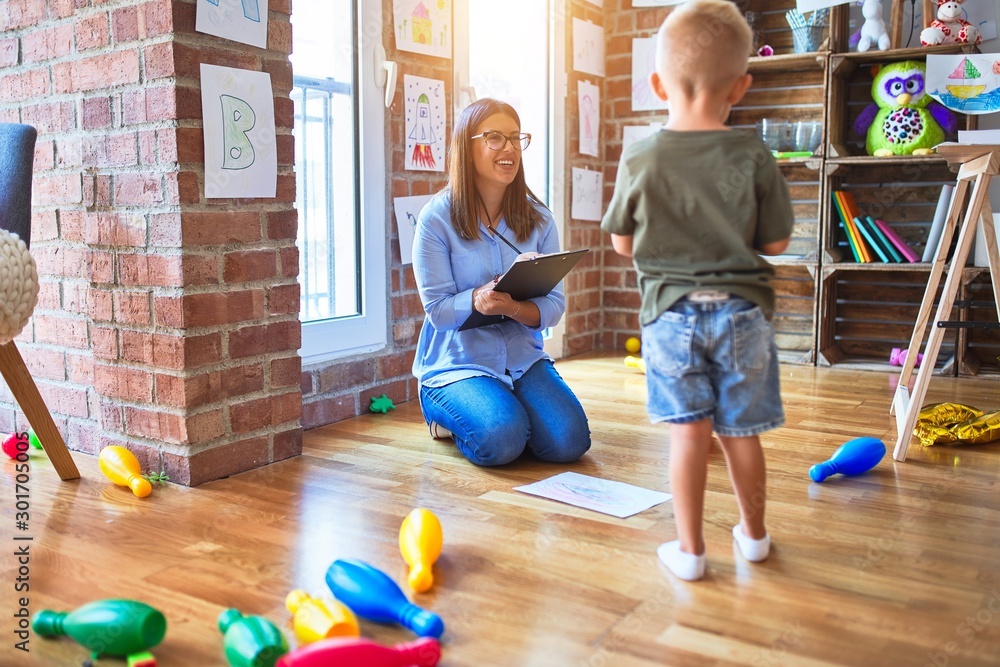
237	119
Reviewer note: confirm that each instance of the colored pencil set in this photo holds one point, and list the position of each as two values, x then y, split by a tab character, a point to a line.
869	239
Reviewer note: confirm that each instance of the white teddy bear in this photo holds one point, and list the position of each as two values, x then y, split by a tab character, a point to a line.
873	31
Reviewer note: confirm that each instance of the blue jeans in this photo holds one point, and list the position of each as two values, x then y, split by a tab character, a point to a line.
493	425
714	360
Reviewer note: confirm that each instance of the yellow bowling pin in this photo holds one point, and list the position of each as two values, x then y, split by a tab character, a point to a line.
320	618
420	543
636	362
121	467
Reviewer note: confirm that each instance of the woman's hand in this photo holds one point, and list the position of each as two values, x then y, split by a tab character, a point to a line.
489	302
527	256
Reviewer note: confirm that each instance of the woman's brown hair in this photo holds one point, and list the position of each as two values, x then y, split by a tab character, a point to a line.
519	201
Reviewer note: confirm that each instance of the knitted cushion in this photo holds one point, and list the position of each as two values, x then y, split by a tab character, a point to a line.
18	286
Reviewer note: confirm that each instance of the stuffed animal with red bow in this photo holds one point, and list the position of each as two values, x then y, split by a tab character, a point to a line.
950	27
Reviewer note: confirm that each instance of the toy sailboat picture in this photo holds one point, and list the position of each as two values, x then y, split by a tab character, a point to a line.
965	71
968	83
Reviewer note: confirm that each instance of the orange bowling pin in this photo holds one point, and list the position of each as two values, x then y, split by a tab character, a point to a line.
121	467
420	543
318	618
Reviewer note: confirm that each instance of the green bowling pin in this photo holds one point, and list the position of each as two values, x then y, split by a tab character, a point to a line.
111	627
251	641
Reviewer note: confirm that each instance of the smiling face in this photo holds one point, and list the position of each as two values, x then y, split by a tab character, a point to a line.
495	170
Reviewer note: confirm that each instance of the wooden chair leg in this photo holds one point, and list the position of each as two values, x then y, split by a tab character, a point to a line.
26	394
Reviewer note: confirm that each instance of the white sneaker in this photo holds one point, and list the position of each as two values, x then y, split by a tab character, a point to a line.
688	567
438	432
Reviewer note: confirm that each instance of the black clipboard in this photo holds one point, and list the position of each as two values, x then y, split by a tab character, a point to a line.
529	279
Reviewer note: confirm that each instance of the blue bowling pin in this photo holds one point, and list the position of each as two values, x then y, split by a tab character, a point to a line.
371	594
851	458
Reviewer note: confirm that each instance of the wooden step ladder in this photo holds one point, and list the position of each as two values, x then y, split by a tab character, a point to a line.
976	165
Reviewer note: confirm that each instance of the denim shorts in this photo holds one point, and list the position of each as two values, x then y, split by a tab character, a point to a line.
714	360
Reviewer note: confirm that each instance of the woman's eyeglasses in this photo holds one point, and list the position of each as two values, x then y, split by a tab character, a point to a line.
496	141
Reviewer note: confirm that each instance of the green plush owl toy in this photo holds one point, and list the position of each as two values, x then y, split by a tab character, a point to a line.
904	119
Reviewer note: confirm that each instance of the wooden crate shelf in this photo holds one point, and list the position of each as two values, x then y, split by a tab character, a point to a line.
797	62
795	312
829	267
791	87
978	348
806	190
896	160
849	92
774	95
772	28
902	193
864	314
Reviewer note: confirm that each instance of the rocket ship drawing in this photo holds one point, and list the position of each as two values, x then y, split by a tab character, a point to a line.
423	134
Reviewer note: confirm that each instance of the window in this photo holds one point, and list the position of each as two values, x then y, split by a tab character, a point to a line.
340	177
487	66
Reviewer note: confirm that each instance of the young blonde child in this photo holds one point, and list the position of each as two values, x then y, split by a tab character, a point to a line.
695	206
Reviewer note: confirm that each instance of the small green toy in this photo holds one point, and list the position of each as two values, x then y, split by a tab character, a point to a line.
382	404
33	440
144	659
158	477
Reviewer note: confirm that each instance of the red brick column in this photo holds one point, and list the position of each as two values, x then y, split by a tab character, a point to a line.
167	323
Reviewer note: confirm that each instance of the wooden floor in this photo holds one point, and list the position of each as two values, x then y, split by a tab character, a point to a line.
897	567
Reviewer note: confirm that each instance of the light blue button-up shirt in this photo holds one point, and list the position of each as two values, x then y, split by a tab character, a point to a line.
447	269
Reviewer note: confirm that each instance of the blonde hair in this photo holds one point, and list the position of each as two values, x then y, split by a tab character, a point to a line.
703	45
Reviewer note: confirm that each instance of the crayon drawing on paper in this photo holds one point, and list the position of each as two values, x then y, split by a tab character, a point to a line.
407	209
588	47
241	159
242	21
643	64
425	123
589	104
969	83
588	187
423	26
593	493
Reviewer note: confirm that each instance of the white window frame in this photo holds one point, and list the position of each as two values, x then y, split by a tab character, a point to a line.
554	344
332	339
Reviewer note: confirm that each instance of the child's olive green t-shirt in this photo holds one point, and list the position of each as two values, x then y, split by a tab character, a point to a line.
697	204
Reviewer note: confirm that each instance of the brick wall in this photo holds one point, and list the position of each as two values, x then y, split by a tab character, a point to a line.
166	322
620	297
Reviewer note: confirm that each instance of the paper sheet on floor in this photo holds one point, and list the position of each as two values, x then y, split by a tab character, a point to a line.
593	493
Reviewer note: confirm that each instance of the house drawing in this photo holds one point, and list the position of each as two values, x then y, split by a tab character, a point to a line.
421	22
